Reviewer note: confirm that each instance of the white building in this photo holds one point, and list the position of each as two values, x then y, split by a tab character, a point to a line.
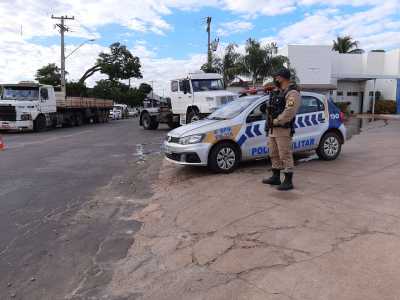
347	77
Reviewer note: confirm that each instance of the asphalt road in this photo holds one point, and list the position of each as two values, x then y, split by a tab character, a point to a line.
63	198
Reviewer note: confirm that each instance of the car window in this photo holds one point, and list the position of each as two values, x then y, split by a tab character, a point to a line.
174	86
310	104
256	114
181	88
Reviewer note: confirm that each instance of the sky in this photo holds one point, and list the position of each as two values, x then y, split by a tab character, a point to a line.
169	36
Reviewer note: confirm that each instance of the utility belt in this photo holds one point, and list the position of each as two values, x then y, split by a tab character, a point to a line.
289	125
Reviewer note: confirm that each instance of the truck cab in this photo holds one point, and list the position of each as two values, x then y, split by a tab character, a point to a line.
198	95
25	105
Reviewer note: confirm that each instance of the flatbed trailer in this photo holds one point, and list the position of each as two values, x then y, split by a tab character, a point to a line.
31	106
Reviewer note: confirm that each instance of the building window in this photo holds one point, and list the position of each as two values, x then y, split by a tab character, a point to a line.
330	92
348	93
340	93
354	93
371	93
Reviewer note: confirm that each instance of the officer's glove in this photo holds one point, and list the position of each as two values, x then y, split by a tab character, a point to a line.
275	122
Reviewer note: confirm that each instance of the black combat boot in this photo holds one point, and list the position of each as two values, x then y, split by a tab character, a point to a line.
275	179
287	184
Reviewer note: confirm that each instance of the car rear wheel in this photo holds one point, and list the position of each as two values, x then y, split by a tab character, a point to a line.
224	158
329	147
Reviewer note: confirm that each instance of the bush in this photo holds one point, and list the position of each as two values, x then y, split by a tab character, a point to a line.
385	107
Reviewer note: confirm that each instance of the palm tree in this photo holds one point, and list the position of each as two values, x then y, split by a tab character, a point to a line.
259	62
346	44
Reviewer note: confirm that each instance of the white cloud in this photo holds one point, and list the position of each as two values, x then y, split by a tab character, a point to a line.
375	25
233	27
368	26
260	7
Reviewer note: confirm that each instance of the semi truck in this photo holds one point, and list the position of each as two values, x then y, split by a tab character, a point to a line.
192	98
28	106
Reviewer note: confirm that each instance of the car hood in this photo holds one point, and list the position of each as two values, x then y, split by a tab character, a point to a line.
200	127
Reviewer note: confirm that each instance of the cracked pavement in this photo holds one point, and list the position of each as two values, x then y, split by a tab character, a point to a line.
336	236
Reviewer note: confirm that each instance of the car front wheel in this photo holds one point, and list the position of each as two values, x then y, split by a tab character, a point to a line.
224	158
329	147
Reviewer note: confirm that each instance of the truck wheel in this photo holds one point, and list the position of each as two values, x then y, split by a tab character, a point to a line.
148	122
329	147
172	124
193	116
39	124
78	120
223	158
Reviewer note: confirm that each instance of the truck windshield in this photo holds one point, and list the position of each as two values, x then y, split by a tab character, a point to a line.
232	109
202	85
20	93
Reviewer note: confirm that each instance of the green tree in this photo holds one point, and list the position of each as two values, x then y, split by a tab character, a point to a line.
259	62
216	66
230	63
119	64
49	74
76	89
145	88
119	92
345	44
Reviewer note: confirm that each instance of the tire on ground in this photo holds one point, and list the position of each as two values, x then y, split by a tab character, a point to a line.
149	122
224	157
39	124
329	147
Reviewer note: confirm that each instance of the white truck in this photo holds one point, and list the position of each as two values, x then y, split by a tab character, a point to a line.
32	106
192	98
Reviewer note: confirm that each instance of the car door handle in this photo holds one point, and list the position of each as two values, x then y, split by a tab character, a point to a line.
179	97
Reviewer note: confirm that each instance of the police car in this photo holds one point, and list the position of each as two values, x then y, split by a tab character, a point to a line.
235	132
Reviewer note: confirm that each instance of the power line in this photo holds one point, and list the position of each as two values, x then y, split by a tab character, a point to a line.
63	29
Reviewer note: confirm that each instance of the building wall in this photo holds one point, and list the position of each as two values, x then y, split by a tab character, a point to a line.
312	63
320	65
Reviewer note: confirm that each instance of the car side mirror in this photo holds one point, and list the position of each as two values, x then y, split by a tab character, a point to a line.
253	118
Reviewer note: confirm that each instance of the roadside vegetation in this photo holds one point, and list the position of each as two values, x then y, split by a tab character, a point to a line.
119	66
257	63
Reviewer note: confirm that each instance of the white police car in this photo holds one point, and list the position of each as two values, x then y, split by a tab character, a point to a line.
235	132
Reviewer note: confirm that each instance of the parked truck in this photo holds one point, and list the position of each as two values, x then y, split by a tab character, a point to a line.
192	98
32	106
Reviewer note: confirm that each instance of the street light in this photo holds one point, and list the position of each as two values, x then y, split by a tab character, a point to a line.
85	42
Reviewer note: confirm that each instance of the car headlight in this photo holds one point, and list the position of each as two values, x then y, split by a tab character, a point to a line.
26	117
191	139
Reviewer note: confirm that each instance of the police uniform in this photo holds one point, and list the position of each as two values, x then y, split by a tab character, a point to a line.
283	108
280	135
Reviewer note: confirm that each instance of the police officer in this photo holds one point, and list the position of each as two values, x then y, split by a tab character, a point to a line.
282	112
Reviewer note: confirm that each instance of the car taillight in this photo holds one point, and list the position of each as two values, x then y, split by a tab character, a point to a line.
341	116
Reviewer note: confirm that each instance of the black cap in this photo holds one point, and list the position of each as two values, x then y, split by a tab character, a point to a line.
284	72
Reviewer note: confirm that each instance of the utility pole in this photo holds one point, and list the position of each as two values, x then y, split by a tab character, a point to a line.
209	53
63	29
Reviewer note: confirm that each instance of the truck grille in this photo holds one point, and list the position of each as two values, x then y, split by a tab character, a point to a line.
7	113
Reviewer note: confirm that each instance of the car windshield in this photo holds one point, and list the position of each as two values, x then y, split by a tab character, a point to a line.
20	93
202	85
232	109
